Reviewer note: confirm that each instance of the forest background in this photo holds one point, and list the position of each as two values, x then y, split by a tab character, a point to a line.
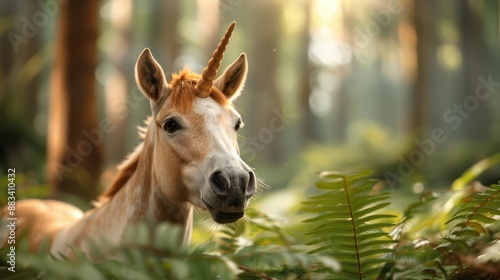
409	89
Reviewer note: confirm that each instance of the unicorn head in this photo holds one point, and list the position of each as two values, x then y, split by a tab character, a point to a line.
194	133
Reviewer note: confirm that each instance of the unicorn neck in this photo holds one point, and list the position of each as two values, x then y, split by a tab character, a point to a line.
145	200
137	200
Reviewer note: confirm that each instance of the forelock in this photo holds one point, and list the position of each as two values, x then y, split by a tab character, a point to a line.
182	91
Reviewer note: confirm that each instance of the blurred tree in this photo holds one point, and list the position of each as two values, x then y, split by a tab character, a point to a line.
74	139
267	99
208	24
9	9
117	85
169	40
474	65
341	111
309	125
422	16
20	67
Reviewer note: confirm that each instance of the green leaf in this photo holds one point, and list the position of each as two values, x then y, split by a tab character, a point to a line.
474	171
348	224
371	218
371	209
477	226
483	218
376	226
488	210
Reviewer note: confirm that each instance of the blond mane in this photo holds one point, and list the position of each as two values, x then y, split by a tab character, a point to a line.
125	170
182	92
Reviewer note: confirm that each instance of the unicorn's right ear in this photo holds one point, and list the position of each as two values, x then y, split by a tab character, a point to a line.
149	76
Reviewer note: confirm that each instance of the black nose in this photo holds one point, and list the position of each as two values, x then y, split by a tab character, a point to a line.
219	183
225	182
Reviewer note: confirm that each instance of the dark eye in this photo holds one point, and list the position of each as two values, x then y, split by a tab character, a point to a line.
238	125
171	126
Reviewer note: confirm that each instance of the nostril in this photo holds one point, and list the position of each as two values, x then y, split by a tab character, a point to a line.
219	183
251	185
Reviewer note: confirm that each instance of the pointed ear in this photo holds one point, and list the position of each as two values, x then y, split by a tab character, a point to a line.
149	76
231	82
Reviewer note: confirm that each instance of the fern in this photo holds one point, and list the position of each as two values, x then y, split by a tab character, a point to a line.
347	225
404	253
469	224
257	248
139	257
440	236
477	211
453	253
263	250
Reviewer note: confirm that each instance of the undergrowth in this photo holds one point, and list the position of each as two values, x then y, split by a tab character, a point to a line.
352	233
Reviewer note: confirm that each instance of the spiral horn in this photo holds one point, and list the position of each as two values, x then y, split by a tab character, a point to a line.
205	83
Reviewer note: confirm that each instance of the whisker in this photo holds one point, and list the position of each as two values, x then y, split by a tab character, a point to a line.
241	137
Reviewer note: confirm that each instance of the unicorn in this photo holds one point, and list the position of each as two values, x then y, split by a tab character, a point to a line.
188	158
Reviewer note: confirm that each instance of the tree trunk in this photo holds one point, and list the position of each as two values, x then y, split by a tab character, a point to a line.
474	65
170	41
264	139
19	76
309	120
341	108
419	101
74	140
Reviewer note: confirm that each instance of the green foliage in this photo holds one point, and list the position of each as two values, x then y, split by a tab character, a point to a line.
156	254
468	225
348	225
26	187
351	234
470	174
464	245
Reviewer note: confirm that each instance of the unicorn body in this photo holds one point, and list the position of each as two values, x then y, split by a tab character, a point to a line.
189	157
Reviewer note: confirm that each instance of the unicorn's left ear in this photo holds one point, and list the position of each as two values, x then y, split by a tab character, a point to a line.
231	82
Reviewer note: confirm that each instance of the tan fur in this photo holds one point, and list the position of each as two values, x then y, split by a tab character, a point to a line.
43	218
192	151
181	98
129	204
151	184
132	187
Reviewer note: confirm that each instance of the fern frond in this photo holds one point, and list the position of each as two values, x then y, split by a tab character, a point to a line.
347	225
479	207
480	210
263	250
468	223
398	233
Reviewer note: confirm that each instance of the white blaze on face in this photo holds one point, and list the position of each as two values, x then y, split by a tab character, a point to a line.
220	133
220	126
